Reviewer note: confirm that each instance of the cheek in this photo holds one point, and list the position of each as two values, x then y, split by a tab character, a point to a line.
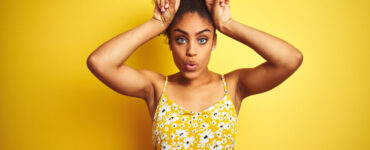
206	58
178	59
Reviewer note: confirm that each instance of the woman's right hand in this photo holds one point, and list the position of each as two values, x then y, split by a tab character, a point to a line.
165	11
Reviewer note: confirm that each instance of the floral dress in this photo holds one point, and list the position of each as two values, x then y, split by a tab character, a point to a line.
175	127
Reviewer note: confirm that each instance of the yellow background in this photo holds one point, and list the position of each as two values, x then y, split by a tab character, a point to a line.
49	100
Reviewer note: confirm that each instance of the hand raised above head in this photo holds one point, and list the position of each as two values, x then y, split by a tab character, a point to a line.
165	10
220	11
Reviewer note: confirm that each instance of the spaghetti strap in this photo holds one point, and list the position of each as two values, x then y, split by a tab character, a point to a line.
223	80
164	87
165	84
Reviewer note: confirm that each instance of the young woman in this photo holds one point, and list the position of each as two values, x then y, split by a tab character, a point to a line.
193	108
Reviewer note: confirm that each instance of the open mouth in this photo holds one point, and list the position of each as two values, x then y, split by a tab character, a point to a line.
191	67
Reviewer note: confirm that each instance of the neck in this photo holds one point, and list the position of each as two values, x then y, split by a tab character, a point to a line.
203	78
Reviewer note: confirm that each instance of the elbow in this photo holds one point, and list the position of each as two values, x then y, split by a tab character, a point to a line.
296	61
98	64
92	63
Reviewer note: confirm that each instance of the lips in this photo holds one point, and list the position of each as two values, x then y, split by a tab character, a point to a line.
191	66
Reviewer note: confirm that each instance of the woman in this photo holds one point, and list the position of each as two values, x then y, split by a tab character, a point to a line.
193	108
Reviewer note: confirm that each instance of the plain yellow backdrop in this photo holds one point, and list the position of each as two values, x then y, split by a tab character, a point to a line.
49	100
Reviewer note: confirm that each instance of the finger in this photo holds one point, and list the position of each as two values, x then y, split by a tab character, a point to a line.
171	4
227	2
174	5
217	4
162	5
222	3
166	4
157	4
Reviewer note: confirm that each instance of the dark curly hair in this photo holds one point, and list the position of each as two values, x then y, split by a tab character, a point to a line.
192	6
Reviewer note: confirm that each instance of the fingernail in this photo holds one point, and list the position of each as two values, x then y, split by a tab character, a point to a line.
166	5
162	9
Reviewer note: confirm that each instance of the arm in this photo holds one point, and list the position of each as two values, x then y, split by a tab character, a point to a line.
282	59
107	61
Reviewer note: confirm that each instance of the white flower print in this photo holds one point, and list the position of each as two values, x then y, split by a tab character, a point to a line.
217	146
233	145
172	136
179	145
163	136
188	141
172	118
173	143
221	126
227	125
205	136
229	135
215	115
165	146
218	134
231	118
204	125
181	133
224	113
213	122
195	131
164	99
163	110
176	128
224	141
227	105
183	119
174	107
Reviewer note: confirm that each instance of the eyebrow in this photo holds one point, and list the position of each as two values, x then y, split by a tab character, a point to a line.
179	30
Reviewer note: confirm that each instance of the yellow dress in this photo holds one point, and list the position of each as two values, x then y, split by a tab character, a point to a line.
175	127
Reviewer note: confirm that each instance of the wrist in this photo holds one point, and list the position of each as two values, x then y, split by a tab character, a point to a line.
158	24
225	27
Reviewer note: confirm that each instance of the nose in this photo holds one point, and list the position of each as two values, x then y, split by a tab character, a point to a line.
192	50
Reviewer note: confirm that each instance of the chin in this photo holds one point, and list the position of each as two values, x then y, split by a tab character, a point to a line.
190	74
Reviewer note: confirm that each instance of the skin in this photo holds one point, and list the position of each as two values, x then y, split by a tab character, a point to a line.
200	89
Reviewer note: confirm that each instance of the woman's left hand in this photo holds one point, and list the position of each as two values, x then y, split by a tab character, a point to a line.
220	11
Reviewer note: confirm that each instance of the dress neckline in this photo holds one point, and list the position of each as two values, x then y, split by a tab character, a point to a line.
186	110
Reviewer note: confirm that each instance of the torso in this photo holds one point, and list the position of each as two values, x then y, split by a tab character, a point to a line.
180	95
195	116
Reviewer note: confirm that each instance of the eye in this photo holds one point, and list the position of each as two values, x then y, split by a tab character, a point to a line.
202	40
181	40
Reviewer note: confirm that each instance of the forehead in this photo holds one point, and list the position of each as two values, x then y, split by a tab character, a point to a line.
192	23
